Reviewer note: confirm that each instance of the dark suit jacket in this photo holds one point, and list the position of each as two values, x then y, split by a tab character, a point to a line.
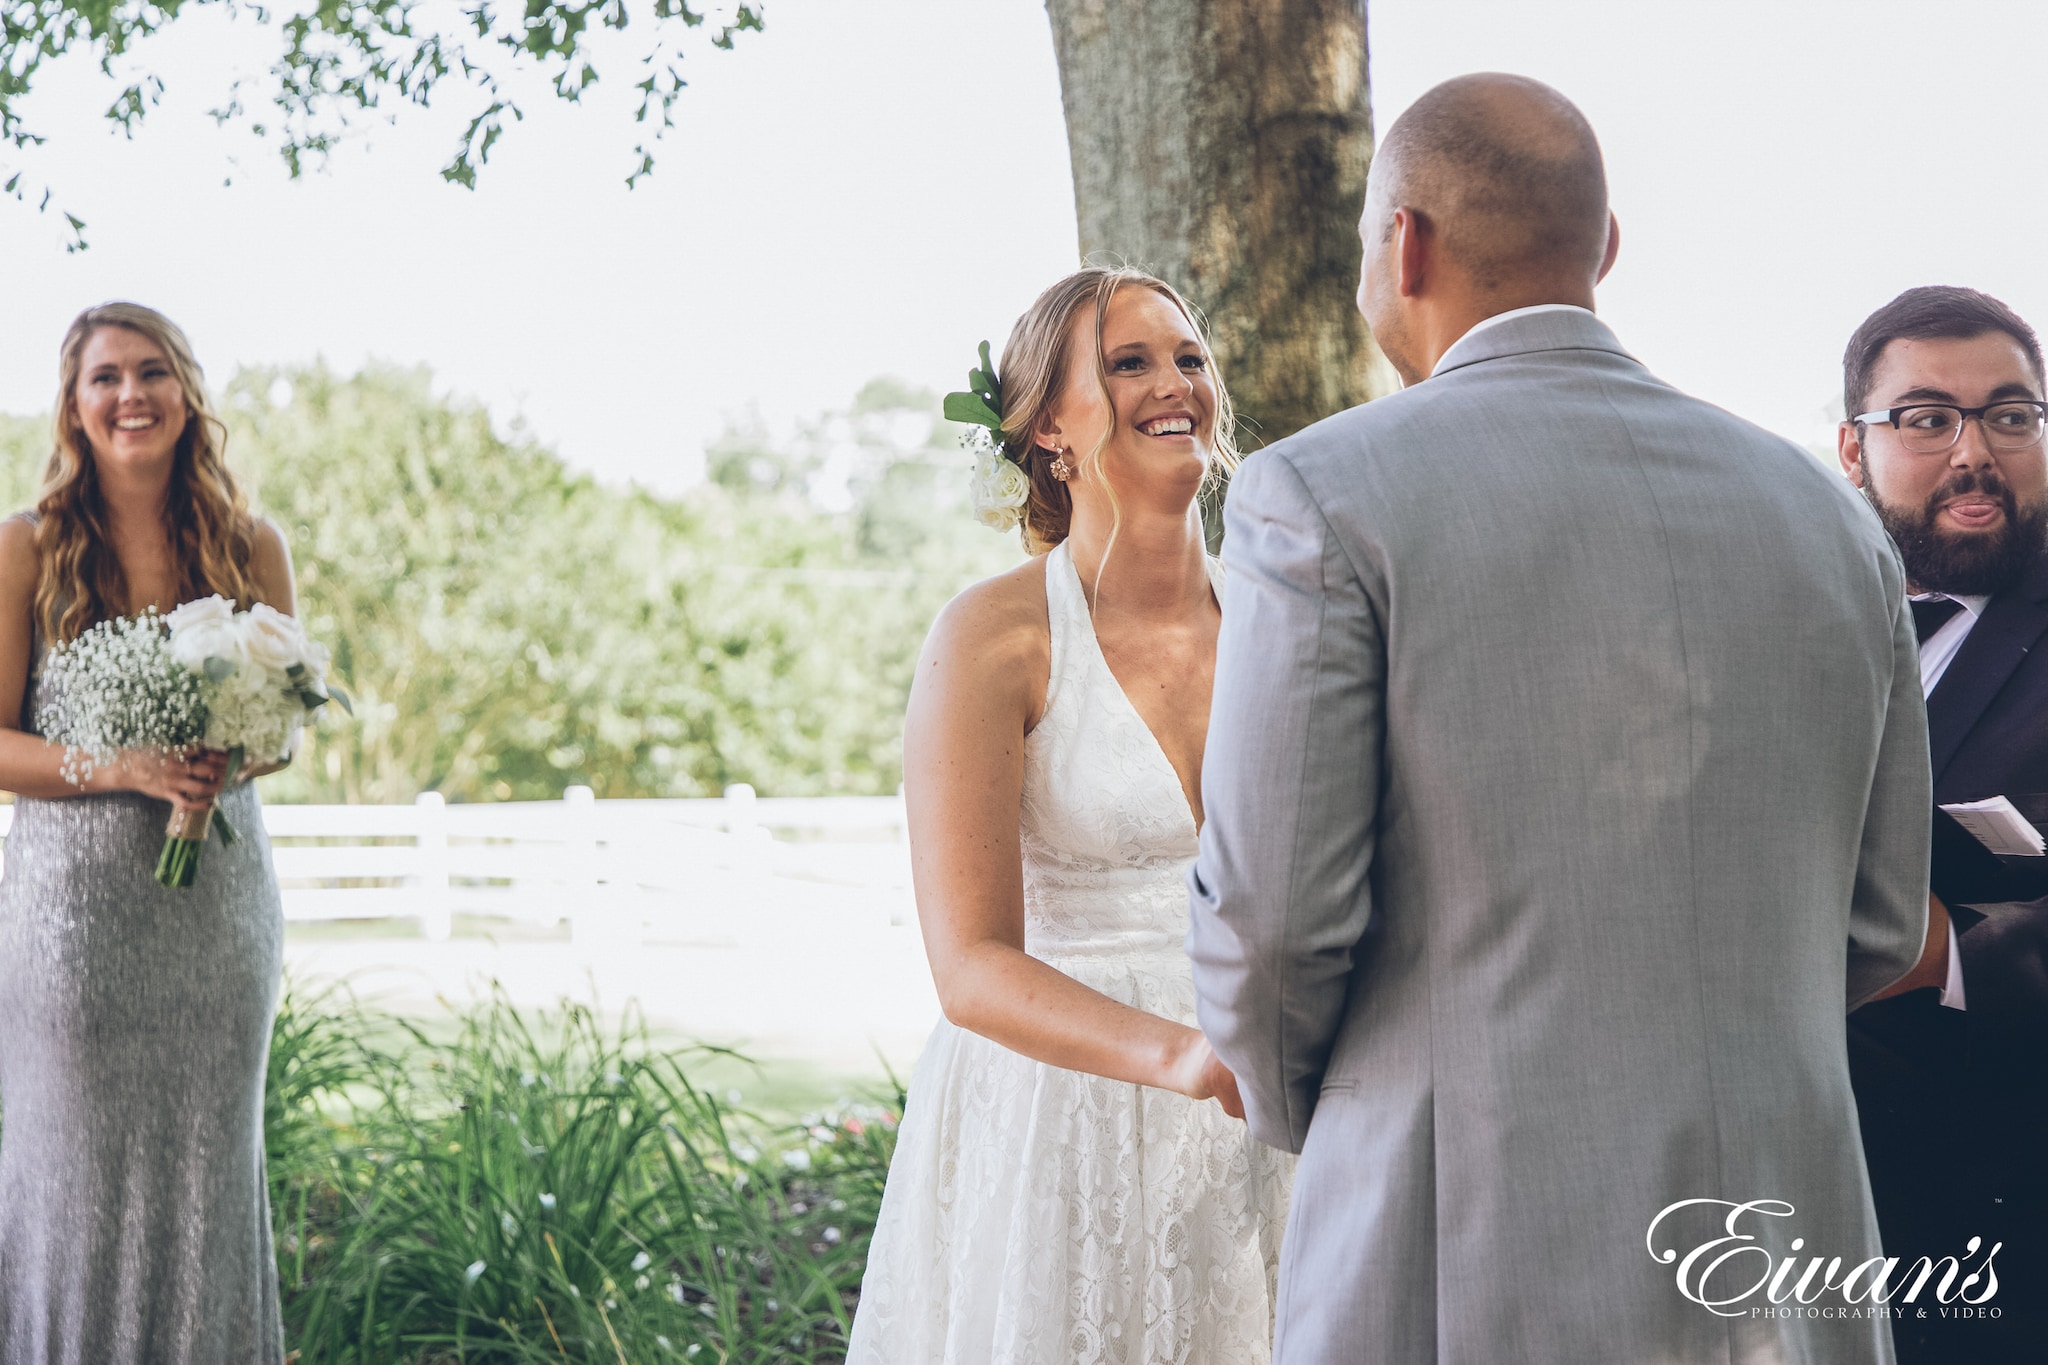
1954	1105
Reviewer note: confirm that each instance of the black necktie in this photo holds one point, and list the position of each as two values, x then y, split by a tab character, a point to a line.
1933	614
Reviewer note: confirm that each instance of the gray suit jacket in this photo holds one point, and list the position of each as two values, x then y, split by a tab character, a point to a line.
1567	780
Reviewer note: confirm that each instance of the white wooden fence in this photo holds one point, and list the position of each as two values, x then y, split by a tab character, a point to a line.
615	870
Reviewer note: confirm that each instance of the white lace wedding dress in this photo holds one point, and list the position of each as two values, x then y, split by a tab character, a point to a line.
1039	1216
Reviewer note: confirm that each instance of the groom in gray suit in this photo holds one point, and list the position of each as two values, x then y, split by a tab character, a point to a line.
1567	782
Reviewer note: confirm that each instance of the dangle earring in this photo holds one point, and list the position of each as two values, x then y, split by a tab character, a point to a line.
1059	468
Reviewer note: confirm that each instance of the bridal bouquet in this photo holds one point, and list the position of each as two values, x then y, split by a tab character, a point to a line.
207	677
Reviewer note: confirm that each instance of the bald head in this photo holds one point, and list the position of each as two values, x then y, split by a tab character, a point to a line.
1508	175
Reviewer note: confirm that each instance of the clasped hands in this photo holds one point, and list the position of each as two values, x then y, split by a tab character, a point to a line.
190	780
1197	1072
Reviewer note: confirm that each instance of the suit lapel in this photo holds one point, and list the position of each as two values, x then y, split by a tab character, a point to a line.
2012	623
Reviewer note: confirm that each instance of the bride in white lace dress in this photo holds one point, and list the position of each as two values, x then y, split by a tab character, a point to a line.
1072	1182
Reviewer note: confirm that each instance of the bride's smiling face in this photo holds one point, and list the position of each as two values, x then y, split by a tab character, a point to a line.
1160	417
130	402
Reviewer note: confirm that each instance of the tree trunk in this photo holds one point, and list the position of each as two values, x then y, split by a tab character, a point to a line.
1223	146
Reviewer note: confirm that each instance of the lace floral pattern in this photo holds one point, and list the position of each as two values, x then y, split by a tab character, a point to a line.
1037	1216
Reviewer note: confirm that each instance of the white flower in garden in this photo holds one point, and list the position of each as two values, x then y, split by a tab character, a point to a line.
210	637
214	608
273	641
1000	490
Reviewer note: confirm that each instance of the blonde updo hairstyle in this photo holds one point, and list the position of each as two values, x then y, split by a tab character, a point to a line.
1034	365
206	517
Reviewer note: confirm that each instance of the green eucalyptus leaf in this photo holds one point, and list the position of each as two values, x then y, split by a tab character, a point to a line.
971	408
219	670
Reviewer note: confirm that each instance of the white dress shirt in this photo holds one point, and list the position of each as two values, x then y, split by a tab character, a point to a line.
1937	652
1941	648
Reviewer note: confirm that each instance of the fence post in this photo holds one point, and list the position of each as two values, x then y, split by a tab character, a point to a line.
904	903
437	913
739	810
755	844
579	837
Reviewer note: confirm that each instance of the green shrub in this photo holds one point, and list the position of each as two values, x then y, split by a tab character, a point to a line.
509	627
534	1188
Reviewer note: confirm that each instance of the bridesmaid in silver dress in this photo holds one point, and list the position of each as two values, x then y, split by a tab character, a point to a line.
134	1020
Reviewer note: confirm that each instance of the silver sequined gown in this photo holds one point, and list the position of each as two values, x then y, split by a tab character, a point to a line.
134	1026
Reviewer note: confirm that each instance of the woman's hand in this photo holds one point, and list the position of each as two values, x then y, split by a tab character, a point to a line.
188	781
249	772
1199	1073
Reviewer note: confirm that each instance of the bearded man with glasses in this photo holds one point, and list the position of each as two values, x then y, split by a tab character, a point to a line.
1944	390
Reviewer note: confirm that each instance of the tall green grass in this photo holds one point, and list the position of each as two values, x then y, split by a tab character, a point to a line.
537	1188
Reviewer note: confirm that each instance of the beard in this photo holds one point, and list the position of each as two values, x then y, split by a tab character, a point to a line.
1964	563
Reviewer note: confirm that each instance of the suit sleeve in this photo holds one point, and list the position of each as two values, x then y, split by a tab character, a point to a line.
1888	914
1290	784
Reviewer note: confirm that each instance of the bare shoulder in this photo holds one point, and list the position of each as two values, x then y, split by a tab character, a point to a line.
267	542
18	564
270	564
994	637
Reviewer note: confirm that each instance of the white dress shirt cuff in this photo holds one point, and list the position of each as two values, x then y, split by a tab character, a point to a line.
1952	991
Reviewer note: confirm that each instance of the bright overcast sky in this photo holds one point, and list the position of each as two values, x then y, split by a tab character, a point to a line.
871	186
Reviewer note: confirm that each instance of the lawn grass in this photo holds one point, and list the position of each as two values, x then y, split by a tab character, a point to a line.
530	1186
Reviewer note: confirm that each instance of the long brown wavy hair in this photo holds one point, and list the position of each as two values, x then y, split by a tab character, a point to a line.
206	517
1035	365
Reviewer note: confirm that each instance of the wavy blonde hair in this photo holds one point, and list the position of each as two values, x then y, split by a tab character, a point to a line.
1033	367
206	517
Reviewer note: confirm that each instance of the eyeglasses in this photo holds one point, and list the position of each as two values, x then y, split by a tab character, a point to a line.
1930	428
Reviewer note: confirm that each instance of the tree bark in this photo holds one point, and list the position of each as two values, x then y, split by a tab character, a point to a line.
1223	146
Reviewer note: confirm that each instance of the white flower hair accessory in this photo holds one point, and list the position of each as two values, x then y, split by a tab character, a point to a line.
999	485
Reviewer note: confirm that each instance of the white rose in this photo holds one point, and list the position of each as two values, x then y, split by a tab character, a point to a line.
273	640
318	660
1000	490
214	608
210	638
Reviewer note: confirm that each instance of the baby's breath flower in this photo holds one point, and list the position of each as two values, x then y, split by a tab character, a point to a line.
116	687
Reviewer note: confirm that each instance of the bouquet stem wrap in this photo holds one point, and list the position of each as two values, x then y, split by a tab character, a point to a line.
185	836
